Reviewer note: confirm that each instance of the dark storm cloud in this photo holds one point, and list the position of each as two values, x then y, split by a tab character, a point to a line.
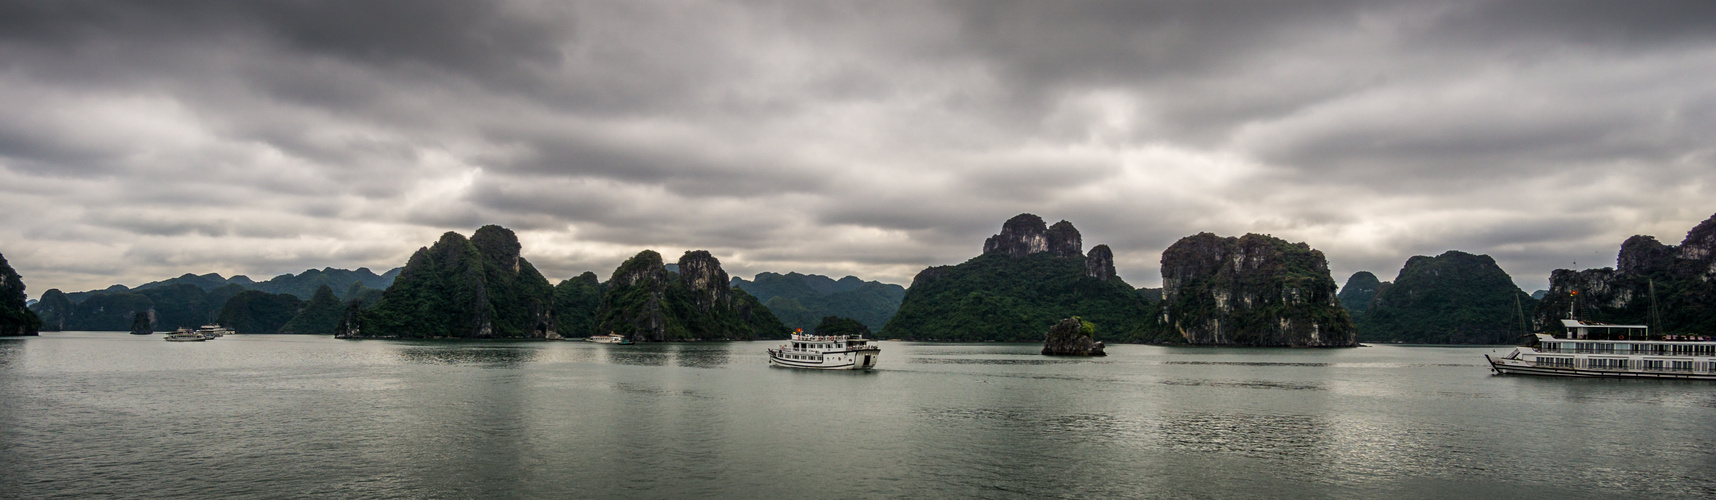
868	138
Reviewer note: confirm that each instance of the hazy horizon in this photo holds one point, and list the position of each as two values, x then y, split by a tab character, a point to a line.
142	142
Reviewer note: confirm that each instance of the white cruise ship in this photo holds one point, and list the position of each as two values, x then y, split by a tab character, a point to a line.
826	352
1599	350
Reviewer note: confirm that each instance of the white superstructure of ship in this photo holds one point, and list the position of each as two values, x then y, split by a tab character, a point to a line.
1602	350
826	352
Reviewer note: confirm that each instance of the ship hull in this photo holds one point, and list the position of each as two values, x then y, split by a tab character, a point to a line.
1510	367
854	360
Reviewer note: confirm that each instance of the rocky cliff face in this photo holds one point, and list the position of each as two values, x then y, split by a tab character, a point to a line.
15	318
1025	234
642	302
1254	290
1028	278
140	324
701	275
463	288
1452	298
1683	278
1099	263
55	310
1064	241
1072	337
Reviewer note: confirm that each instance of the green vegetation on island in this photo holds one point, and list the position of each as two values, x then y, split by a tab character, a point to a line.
800	300
1253	290
1671	288
1028	278
462	288
320	315
15	318
255	311
575	303
648	303
1453	298
835	325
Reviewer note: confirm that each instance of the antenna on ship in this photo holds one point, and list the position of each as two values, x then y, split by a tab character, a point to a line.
1524	329
1655	317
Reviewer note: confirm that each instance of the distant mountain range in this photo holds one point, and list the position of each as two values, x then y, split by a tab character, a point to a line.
802	300
191	300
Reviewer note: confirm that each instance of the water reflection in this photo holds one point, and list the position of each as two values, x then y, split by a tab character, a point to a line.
702	355
642	355
689	355
10	349
503	356
1043	361
1246	384
1292	437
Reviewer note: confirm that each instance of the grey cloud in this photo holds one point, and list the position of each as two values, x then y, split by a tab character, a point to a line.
873	137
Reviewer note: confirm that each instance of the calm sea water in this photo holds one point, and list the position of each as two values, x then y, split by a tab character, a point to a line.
113	415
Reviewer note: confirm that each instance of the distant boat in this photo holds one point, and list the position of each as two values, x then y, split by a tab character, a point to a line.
186	335
612	338
826	352
214	331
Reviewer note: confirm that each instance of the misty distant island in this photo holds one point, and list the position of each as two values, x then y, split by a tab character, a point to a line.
1248	290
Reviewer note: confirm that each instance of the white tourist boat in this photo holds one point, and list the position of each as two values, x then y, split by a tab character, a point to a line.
612	338
214	331
1599	350
186	335
826	352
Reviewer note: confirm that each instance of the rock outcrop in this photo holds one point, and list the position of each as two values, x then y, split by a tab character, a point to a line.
1099	263
1065	242
463	288
1683	278
647	303
1028	278
321	315
1453	298
1254	290
1026	234
1356	295
140	324
701	275
54	309
1072	337
256	311
15	318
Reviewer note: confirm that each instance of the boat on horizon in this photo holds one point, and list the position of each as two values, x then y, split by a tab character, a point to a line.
826	352
214	331
611	338
186	335
1612	351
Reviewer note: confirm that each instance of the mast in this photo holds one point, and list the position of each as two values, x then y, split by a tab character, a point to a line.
1655	318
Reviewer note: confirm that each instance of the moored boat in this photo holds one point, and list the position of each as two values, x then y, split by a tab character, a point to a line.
612	338
826	352
1617	351
214	331
186	335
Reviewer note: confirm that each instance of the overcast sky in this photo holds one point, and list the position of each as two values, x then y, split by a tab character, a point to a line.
140	140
